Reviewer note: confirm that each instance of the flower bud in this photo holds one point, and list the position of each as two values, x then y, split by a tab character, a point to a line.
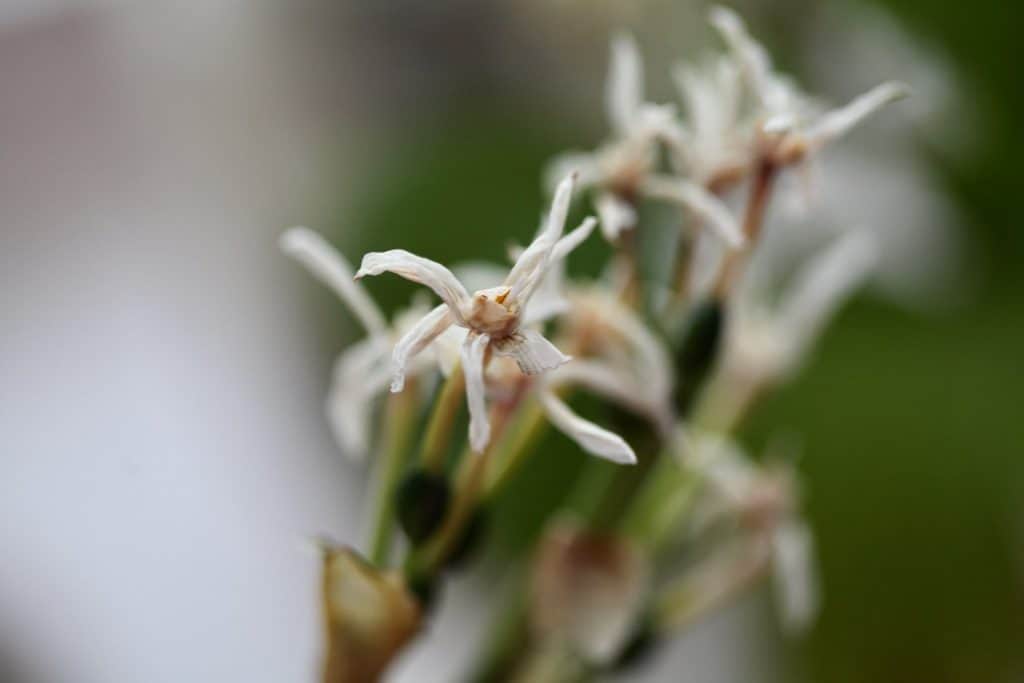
588	591
422	500
369	616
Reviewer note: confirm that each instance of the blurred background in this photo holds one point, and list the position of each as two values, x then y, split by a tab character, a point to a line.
165	456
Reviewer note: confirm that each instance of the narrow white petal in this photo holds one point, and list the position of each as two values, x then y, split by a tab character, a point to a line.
328	265
360	374
700	201
795	578
591	438
838	122
578	236
415	340
616	215
532	351
822	286
532	264
752	57
473	352
625	89
419	270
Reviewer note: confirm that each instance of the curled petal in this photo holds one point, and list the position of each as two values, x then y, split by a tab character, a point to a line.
838	122
330	267
420	270
700	201
473	352
360	374
415	340
795	578
532	351
532	264
625	91
591	438
616	215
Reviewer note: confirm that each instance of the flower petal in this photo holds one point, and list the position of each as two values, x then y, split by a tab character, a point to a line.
838	122
415	340
625	89
591	438
419	270
473	352
532	351
548	300
616	215
751	55
700	201
795	578
360	374
328	265
532	264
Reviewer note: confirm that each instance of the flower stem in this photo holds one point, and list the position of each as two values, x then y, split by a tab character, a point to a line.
666	494
442	421
400	415
753	219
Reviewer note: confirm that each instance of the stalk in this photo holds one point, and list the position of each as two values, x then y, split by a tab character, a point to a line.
396	428
442	420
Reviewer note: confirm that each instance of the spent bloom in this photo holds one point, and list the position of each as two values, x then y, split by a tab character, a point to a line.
361	372
493	317
626	167
763	501
587	590
789	125
712	147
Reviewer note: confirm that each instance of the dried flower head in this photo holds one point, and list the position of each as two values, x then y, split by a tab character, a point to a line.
789	125
587	590
494	317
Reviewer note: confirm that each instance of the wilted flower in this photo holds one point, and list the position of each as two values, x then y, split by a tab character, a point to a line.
789	125
763	501
493	317
712	147
620	358
587	591
369	616
625	168
361	372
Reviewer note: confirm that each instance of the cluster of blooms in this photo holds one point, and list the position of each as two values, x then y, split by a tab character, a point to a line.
690	370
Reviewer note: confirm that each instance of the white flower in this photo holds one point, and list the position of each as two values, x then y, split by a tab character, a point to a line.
619	170
789	124
768	343
764	499
494	317
621	359
361	372
713	147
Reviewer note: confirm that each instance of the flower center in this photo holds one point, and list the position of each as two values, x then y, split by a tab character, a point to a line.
493	313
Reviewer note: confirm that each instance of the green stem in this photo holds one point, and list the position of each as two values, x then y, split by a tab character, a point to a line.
666	494
396	427
516	446
442	421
